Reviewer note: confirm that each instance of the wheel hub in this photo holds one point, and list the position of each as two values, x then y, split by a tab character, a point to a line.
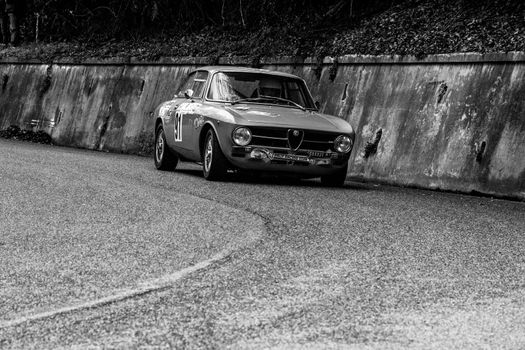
208	153
159	147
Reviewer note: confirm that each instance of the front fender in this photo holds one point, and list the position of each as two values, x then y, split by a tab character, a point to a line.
223	131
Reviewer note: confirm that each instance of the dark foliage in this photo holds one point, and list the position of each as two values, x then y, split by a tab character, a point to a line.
432	26
149	29
66	19
15	133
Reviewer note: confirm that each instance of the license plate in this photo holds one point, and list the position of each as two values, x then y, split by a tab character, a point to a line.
316	154
292	157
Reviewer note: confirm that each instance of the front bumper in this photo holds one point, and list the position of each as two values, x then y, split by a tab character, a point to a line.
310	163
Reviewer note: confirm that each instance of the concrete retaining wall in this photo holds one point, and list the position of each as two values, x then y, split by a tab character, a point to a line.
102	107
453	122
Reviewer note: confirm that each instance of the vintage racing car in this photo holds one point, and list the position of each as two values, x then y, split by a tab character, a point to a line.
251	119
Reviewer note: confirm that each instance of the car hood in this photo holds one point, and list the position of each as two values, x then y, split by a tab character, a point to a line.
248	114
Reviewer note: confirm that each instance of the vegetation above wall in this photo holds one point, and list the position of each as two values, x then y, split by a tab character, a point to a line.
150	29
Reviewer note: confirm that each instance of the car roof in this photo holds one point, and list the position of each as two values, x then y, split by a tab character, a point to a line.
214	69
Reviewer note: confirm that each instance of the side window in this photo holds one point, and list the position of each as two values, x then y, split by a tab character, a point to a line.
196	81
187	85
199	84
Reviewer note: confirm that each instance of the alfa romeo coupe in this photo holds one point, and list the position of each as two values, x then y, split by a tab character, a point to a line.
251	120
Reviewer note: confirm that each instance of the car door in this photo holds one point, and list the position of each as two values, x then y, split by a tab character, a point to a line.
188	111
172	120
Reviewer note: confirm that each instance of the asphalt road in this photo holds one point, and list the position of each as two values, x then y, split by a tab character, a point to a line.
101	250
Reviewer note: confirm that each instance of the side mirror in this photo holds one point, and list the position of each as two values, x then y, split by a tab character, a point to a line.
317	105
188	94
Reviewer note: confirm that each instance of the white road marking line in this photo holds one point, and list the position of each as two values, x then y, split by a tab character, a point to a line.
146	287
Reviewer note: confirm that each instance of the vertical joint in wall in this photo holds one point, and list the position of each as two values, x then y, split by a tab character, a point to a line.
5	80
333	69
46	83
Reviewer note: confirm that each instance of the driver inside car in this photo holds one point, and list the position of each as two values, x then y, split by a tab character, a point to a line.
268	87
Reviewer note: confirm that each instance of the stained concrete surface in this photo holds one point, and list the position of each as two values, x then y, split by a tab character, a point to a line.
364	267
452	122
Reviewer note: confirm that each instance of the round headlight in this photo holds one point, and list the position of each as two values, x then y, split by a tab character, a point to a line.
343	144
242	136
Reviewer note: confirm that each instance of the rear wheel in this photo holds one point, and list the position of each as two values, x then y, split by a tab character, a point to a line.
214	163
164	158
336	179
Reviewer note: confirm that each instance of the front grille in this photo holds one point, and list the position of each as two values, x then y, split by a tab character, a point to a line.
278	138
269	142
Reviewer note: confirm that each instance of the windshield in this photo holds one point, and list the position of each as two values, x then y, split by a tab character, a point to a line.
259	88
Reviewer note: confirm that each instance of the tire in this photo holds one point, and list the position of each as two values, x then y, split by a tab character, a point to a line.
336	179
214	163
164	158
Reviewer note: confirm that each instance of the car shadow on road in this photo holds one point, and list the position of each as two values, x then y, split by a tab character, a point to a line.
281	180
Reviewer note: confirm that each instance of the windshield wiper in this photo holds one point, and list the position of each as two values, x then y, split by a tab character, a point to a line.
284	100
264	97
247	99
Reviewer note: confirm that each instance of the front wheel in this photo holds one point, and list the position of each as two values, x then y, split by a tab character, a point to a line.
214	163
336	179
164	159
